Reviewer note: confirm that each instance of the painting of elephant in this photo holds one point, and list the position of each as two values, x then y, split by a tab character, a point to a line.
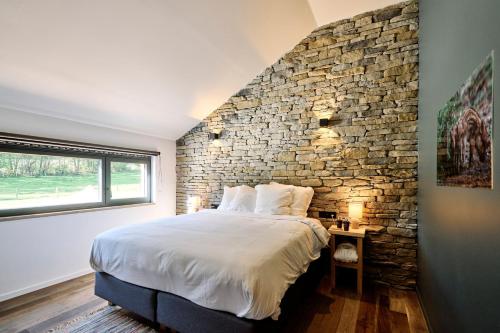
464	154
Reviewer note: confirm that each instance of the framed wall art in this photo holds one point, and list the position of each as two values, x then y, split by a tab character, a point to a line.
465	129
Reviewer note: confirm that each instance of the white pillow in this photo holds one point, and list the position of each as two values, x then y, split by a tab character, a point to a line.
227	197
272	199
244	200
302	197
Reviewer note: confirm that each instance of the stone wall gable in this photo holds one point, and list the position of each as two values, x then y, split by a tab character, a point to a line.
362	74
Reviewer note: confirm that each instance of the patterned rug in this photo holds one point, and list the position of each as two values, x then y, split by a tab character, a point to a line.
112	319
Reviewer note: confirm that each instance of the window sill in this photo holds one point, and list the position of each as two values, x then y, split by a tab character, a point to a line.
74	211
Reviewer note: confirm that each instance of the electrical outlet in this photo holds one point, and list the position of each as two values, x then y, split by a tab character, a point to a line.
328	215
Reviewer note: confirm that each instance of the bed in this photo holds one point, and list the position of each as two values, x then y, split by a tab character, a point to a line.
211	271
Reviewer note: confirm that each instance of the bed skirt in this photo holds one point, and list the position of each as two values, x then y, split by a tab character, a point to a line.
183	315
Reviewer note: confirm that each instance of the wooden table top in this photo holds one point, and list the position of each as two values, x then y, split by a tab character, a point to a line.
352	232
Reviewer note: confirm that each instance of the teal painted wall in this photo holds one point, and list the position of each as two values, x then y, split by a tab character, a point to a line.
459	229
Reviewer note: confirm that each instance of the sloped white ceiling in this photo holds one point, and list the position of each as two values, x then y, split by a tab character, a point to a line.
149	66
155	67
327	11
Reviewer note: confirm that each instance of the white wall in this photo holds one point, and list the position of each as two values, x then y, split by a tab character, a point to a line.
38	252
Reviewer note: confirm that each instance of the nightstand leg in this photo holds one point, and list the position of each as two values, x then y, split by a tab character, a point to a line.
360	265
333	276
360	281
333	270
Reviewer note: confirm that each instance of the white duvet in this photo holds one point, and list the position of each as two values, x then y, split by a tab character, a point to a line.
241	263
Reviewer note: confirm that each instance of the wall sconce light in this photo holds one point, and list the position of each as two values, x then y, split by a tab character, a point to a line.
323	122
355	213
214	136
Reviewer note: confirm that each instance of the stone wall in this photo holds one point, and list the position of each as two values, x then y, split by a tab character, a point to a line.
361	74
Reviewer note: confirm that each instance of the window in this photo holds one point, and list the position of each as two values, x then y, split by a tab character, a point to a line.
48	178
30	180
129	180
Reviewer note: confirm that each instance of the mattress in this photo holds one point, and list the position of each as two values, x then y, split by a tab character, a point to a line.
241	263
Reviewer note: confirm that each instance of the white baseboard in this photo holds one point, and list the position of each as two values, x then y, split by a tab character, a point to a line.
37	286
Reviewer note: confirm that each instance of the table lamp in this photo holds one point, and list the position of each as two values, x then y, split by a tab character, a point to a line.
355	213
194	204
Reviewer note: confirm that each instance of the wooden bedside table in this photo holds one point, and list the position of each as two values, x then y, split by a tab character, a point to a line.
359	234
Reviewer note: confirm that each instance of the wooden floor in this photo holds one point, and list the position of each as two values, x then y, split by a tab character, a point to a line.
380	309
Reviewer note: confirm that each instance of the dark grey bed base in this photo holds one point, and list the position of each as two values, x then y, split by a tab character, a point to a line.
185	316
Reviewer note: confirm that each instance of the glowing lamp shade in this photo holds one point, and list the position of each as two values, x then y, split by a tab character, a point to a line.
193	203
355	213
355	210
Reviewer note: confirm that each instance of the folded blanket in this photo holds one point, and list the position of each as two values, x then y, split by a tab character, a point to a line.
346	252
